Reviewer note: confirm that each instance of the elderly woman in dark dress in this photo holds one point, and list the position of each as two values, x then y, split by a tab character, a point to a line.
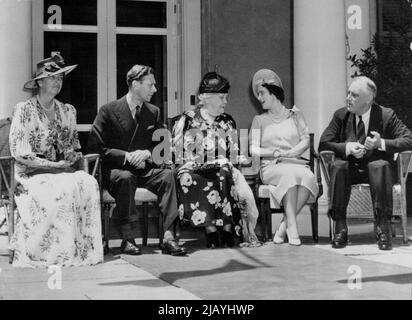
205	143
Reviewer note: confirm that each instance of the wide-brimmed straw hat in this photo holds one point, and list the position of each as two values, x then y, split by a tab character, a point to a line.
265	76
49	67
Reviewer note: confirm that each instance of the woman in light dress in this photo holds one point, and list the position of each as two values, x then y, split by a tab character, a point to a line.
279	137
59	206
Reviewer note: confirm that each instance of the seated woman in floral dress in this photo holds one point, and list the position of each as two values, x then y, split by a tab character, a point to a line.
59	207
205	145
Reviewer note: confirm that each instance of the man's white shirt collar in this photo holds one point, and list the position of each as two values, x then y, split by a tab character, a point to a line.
132	107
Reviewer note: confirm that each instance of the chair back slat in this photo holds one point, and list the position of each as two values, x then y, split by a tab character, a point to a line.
5	154
4	177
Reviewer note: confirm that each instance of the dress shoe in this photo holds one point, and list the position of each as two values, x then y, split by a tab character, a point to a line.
278	239
384	241
227	239
279	236
172	248
212	240
340	239
128	247
293	241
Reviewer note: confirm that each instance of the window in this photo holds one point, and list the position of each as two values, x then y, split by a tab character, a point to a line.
106	38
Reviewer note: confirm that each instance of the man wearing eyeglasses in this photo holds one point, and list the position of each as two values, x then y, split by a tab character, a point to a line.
122	135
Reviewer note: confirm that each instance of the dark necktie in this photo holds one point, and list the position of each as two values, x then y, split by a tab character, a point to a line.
360	131
137	115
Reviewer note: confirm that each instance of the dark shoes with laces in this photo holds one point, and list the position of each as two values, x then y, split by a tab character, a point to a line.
130	247
383	236
172	247
340	239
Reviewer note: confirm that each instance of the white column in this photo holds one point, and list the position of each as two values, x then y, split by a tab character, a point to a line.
361	25
319	69
15	53
319	60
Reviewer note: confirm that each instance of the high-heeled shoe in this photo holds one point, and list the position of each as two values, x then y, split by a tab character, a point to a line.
212	240
278	239
293	241
227	239
279	236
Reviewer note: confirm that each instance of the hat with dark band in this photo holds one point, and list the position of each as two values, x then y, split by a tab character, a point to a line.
214	83
49	67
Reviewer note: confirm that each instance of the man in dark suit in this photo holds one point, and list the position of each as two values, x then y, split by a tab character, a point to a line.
122	134
364	137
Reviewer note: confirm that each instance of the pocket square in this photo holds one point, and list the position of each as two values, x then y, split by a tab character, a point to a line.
150	127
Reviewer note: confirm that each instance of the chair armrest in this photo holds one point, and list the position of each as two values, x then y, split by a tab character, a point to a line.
326	159
6	158
404	162
246	164
326	154
318	175
92	156
87	160
405	154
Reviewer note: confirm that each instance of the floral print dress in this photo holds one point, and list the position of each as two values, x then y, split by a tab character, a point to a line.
59	213
206	199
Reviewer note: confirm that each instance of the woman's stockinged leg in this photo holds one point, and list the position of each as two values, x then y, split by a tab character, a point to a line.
289	202
302	198
227	236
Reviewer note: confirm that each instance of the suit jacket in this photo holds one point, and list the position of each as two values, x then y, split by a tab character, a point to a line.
342	129
114	133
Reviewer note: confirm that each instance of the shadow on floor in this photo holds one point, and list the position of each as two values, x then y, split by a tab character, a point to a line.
231	266
404	278
152	283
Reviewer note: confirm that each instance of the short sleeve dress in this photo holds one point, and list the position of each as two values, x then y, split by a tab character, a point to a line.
284	134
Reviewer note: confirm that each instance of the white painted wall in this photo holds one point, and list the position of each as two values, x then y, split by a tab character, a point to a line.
15	53
192	43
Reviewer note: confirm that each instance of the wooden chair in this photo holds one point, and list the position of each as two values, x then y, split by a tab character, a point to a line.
360	204
262	196
7	188
143	199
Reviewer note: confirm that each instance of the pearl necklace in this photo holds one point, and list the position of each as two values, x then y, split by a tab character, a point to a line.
279	118
50	113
